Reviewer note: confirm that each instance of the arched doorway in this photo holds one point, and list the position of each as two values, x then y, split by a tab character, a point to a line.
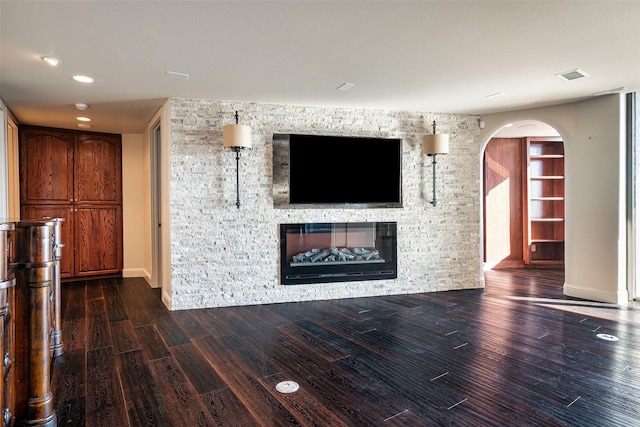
523	197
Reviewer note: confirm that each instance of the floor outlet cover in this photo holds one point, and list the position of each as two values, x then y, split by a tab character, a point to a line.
607	337
287	387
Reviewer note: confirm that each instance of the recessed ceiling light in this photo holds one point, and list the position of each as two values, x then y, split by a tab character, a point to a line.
608	91
572	74
345	86
52	61
84	126
81	106
83	79
177	75
508	125
84	119
494	95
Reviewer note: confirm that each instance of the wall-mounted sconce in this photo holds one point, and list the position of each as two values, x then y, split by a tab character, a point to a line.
431	146
237	137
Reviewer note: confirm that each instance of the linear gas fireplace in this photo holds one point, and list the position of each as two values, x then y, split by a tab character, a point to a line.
337	252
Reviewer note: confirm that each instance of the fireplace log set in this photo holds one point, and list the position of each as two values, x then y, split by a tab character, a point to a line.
336	255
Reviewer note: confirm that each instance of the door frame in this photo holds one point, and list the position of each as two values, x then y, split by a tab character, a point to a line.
155	148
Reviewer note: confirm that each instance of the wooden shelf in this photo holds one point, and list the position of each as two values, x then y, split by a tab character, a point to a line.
544	201
546	156
547	177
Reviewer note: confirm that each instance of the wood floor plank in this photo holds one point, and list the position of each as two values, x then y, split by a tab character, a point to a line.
404	419
190	324
416	392
201	375
326	349
76	300
144	402
151	343
352	399
69	378
74	334
169	329
265	408
303	404
105	401
254	359
113	303
98	334
135	296
178	394
71	413
94	289
227	410
124	336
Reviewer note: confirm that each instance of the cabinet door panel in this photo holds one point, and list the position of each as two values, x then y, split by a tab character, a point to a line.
66	212
98	240
46	166
98	164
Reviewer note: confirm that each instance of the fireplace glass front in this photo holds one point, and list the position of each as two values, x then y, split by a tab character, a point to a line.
337	252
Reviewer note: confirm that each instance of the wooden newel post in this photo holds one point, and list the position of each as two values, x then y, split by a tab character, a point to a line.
56	334
40	410
34	242
7	329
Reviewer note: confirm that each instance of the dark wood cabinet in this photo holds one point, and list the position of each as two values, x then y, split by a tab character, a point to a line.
46	166
76	176
97	169
98	237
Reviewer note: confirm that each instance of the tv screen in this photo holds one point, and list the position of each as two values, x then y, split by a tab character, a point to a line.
345	170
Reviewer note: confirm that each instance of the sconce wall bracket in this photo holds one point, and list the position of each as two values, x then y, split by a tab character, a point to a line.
237	137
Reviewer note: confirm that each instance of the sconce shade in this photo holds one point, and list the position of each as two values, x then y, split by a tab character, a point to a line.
236	136
435	144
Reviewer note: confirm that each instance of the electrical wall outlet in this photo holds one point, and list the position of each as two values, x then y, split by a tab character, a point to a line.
533	248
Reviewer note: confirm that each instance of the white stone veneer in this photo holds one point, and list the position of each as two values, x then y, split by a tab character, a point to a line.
224	256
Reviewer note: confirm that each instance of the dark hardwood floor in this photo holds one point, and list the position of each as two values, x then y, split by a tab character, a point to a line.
514	354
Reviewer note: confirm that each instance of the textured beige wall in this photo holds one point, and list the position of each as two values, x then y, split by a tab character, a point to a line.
222	256
595	183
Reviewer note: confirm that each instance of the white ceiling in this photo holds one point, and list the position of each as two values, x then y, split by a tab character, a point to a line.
431	56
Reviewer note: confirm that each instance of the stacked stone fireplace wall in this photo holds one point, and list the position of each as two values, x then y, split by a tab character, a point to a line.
225	256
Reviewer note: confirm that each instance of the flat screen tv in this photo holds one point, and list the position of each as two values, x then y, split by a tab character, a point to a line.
343	171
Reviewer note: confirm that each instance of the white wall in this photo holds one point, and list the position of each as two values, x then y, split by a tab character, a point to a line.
4	177
133	209
594	136
221	255
13	170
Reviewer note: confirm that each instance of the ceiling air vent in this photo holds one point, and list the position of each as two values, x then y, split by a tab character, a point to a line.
573	74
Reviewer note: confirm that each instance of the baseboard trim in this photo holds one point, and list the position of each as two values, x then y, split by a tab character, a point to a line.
166	300
136	272
619	298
